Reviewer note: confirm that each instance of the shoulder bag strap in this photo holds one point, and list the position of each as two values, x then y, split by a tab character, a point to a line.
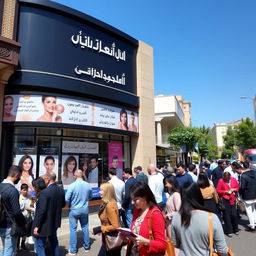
151	237
12	220
210	232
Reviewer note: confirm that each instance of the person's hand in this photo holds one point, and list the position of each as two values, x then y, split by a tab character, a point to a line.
36	231
141	240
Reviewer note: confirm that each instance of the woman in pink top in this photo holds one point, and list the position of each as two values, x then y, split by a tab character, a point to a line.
174	201
228	187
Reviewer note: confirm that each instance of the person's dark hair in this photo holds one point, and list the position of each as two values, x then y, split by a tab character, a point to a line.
191	199
161	166
206	164
139	168
132	114
114	157
227	162
171	179
49	158
181	165
112	171
141	189
32	164
236	165
191	167
44	97
14	169
128	170
94	158
246	164
24	186
221	162
38	185
225	174
203	181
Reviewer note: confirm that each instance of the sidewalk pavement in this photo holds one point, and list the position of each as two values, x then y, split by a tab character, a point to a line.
63	236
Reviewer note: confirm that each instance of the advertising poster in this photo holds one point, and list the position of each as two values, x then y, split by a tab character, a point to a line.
69	165
115	158
28	163
48	163
37	108
93	171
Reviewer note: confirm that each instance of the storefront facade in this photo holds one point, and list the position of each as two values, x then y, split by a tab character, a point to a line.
80	97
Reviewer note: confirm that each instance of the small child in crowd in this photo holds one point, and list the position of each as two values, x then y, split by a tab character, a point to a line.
26	206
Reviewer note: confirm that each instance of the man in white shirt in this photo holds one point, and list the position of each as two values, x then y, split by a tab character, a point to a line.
233	170
156	184
192	170
118	186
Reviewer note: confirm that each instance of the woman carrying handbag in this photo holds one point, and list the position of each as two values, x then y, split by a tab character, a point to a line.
148	224
108	214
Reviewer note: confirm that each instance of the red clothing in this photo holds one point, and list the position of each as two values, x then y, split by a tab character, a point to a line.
223	187
158	229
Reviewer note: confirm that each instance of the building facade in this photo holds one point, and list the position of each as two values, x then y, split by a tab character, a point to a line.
219	130
79	93
170	111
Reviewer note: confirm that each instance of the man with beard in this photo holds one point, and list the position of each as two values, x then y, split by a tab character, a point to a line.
10	203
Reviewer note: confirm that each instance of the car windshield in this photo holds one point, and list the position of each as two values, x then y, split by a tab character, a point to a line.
252	158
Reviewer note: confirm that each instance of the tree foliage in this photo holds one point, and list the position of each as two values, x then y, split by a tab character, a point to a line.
187	136
206	144
242	136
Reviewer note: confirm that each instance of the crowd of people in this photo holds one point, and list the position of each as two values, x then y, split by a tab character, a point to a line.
165	200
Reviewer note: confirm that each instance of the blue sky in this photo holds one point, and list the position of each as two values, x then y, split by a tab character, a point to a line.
204	50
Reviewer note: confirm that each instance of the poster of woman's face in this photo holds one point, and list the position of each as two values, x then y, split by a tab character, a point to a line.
26	162
48	163
69	165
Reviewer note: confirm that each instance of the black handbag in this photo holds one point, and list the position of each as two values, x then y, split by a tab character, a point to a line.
114	240
16	230
220	205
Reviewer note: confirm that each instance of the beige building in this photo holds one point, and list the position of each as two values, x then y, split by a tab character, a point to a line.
219	130
170	111
121	79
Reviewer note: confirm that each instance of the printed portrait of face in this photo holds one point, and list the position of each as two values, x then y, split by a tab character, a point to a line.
27	163
59	108
115	162
49	104
49	164
93	163
8	105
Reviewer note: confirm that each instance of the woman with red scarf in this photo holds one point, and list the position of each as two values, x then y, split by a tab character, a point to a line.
228	187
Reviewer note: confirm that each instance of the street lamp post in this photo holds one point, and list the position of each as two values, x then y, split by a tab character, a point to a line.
254	105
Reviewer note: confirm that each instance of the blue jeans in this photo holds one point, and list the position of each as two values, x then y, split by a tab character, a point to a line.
128	217
82	216
40	243
9	242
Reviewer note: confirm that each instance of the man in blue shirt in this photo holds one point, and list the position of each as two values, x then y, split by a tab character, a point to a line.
182	176
77	197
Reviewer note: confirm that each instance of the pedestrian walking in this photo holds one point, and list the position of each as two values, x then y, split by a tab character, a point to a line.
77	197
182	176
11	210
248	194
228	188
127	205
48	212
109	217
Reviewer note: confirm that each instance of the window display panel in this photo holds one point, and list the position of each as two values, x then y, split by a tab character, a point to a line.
25	156
49	152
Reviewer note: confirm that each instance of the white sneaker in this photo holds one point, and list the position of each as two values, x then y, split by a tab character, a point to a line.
71	253
86	250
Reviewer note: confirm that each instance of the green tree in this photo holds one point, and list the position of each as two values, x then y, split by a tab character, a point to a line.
185	137
227	153
246	134
206	144
242	136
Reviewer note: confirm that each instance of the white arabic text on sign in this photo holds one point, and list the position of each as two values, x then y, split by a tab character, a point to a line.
80	147
97	45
